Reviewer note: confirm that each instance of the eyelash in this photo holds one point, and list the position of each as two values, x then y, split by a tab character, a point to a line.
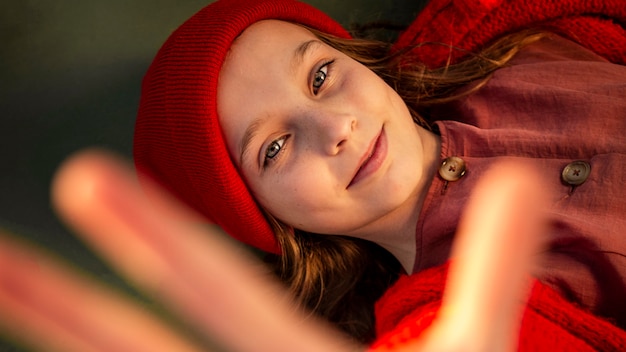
325	65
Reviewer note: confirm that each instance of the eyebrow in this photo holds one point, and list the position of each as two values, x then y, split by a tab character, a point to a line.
248	135
302	50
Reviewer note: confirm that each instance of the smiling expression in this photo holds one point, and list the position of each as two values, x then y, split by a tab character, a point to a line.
323	143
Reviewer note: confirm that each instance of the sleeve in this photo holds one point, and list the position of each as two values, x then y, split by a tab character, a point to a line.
550	323
469	25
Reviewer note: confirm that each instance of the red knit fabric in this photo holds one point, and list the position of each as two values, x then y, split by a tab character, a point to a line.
549	323
472	24
178	141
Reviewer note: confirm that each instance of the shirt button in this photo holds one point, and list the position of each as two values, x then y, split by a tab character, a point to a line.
576	172
452	168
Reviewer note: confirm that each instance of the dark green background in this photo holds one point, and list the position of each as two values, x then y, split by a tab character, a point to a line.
70	74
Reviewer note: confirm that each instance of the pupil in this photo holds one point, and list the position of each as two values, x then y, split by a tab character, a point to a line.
319	78
273	150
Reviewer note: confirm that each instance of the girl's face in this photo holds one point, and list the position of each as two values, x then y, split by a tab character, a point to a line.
323	143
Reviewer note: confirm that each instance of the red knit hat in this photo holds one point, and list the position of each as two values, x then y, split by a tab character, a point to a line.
178	141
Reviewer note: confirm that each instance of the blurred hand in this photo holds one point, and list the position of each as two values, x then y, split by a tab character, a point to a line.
227	296
488	281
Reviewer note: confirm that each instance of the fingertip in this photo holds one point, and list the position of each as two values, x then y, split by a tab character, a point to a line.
515	180
82	177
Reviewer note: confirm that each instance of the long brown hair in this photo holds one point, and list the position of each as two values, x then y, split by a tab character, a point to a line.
340	278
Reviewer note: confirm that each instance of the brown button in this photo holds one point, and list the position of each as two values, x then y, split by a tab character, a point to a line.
576	172
452	168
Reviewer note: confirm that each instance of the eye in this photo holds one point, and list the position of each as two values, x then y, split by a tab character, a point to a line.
273	149
320	77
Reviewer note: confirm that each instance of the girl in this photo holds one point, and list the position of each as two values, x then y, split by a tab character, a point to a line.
349	162
352	159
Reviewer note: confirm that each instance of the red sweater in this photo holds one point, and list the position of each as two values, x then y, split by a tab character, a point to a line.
550	322
598	25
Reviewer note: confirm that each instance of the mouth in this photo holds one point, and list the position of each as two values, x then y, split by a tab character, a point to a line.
372	160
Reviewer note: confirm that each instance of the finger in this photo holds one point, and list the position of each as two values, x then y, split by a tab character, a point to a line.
44	304
200	274
489	279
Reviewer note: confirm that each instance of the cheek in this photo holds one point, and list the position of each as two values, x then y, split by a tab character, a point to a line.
296	197
368	91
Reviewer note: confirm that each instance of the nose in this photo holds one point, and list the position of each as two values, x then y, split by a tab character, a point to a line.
332	130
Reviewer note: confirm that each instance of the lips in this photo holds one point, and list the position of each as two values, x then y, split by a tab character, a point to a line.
372	159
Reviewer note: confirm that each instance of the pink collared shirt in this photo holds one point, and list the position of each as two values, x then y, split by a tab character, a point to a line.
557	104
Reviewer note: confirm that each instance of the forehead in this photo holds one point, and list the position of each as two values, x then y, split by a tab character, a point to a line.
265	49
262	35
